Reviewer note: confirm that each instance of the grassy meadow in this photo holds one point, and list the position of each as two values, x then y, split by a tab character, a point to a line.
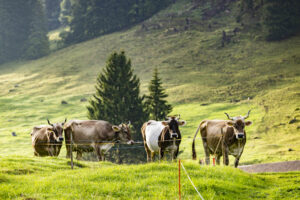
50	178
203	81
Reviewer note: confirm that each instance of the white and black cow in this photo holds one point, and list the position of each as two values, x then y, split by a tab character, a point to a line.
162	136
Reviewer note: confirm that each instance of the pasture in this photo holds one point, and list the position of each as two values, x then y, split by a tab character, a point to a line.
206	81
50	178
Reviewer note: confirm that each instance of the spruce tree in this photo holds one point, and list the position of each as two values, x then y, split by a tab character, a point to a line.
23	31
37	44
65	12
117	98
281	18
52	10
156	103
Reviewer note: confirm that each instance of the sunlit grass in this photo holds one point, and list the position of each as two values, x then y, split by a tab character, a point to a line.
51	178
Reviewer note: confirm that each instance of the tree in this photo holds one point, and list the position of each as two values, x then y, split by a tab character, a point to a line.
117	99
52	8
65	12
92	18
23	32
156	103
281	18
37	44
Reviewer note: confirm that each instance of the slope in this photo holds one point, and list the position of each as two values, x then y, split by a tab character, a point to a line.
246	73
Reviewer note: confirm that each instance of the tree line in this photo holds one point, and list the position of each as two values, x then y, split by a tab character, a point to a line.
23	30
24	24
92	18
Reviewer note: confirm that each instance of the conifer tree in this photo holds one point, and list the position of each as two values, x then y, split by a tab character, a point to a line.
156	103
52	10
117	98
281	18
23	31
37	44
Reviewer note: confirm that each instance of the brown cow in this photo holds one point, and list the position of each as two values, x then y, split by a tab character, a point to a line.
223	138
162	136
94	135
47	139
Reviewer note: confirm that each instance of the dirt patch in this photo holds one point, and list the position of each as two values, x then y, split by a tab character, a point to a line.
272	167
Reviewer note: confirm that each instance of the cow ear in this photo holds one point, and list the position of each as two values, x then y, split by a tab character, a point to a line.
248	123
165	123
182	123
116	128
230	123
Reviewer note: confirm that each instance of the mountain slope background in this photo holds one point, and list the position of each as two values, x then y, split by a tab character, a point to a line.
203	79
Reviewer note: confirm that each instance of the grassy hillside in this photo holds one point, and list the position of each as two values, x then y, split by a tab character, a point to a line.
51	178
203	80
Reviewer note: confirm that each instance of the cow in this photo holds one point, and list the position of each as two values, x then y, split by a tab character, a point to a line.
47	139
162	136
94	135
223	138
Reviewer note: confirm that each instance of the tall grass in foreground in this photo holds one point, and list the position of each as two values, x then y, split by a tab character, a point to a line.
51	178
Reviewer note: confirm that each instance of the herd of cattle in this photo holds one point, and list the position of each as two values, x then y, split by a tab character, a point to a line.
219	137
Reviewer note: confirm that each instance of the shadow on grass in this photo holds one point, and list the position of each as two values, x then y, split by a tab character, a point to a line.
76	164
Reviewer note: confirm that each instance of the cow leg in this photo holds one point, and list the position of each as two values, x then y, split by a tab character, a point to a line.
161	153
152	156
218	159
237	158
68	144
98	152
103	155
176	153
236	162
50	150
206	151
148	152
225	151
79	155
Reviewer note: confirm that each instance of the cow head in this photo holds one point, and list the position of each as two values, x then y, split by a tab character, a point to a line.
173	123
58	130
238	123
123	133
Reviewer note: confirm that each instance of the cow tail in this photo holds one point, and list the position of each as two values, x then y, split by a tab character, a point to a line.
193	145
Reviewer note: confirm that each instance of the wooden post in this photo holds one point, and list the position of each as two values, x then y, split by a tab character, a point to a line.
214	161
71	151
179	191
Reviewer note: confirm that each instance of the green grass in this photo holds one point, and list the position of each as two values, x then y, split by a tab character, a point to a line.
196	71
194	68
51	178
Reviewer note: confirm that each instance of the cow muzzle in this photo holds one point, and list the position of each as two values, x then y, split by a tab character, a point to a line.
240	136
61	139
174	135
130	142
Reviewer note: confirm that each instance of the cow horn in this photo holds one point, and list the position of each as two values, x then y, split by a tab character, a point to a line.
247	114
49	122
129	123
228	116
